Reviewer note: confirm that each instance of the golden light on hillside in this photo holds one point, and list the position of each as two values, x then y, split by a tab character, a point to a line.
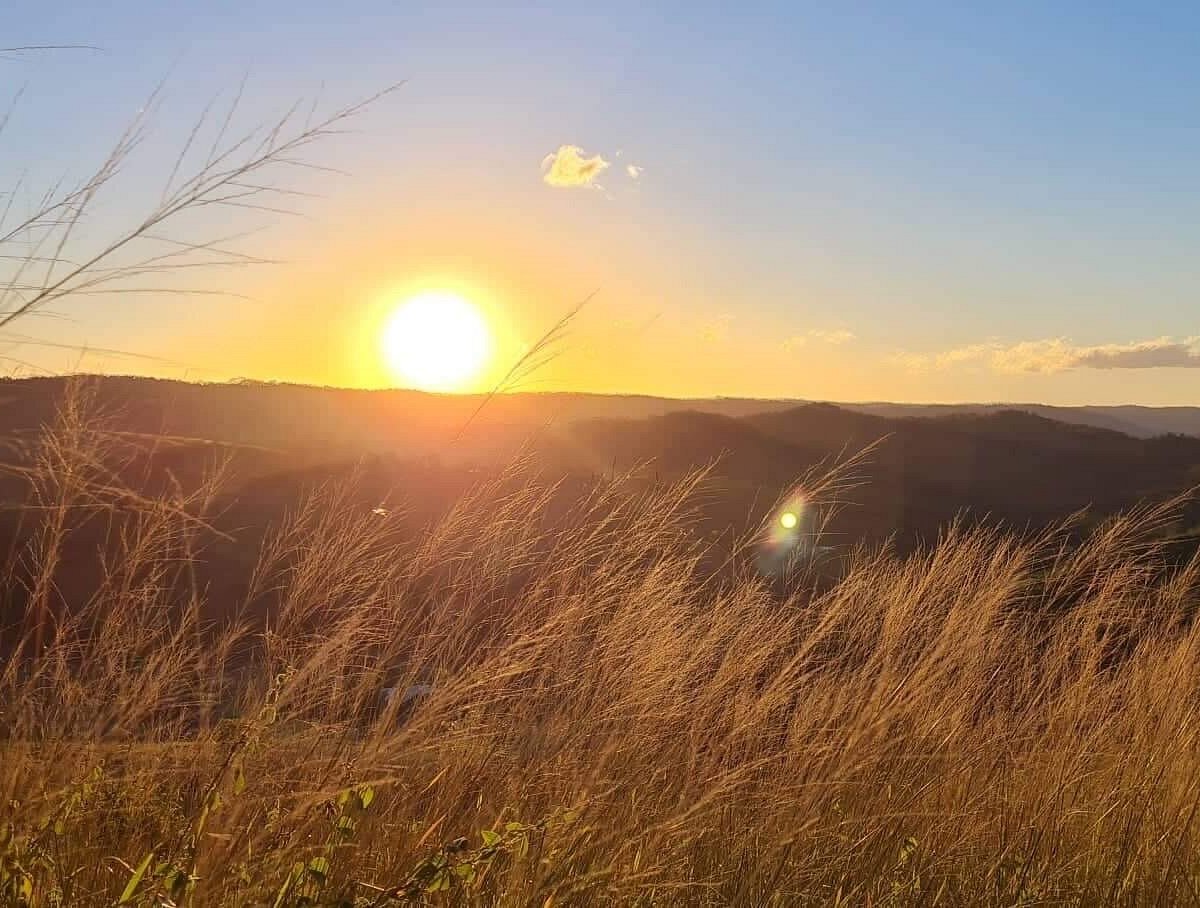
437	341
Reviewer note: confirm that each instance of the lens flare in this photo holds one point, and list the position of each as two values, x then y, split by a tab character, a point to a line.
788	536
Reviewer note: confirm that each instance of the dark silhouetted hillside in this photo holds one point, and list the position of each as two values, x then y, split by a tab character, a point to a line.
1011	465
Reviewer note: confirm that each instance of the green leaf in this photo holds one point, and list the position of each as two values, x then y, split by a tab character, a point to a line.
319	869
440	881
465	872
239	780
281	896
489	837
135	881
366	796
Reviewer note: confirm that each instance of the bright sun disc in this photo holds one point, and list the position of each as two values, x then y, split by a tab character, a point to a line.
437	342
789	520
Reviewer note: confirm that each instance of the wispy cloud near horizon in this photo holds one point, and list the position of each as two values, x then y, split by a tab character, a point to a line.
1056	355
835	337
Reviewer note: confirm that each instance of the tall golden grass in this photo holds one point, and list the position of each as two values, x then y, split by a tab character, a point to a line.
996	720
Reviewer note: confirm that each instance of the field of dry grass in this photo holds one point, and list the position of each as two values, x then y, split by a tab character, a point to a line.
995	720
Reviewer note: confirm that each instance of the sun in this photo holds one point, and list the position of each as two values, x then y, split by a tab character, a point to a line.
437	341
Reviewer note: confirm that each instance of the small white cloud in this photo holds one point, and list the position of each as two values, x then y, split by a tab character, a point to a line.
570	167
633	170
837	336
794	343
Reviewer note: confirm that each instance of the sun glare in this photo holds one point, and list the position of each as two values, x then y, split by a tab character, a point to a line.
437	341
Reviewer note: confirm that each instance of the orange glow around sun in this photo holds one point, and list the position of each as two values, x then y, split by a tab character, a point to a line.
437	341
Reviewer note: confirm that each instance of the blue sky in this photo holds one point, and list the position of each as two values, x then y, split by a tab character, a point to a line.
909	201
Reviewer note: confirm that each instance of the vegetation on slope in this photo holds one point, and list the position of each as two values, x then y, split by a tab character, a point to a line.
990	720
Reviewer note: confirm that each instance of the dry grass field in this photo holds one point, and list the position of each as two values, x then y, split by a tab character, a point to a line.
601	719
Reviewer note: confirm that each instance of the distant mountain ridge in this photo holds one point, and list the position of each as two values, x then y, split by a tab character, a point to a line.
1129	419
268	414
926	465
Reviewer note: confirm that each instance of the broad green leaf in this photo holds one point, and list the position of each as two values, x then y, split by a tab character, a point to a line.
135	881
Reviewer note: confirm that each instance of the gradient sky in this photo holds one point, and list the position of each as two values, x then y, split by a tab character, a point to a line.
855	201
